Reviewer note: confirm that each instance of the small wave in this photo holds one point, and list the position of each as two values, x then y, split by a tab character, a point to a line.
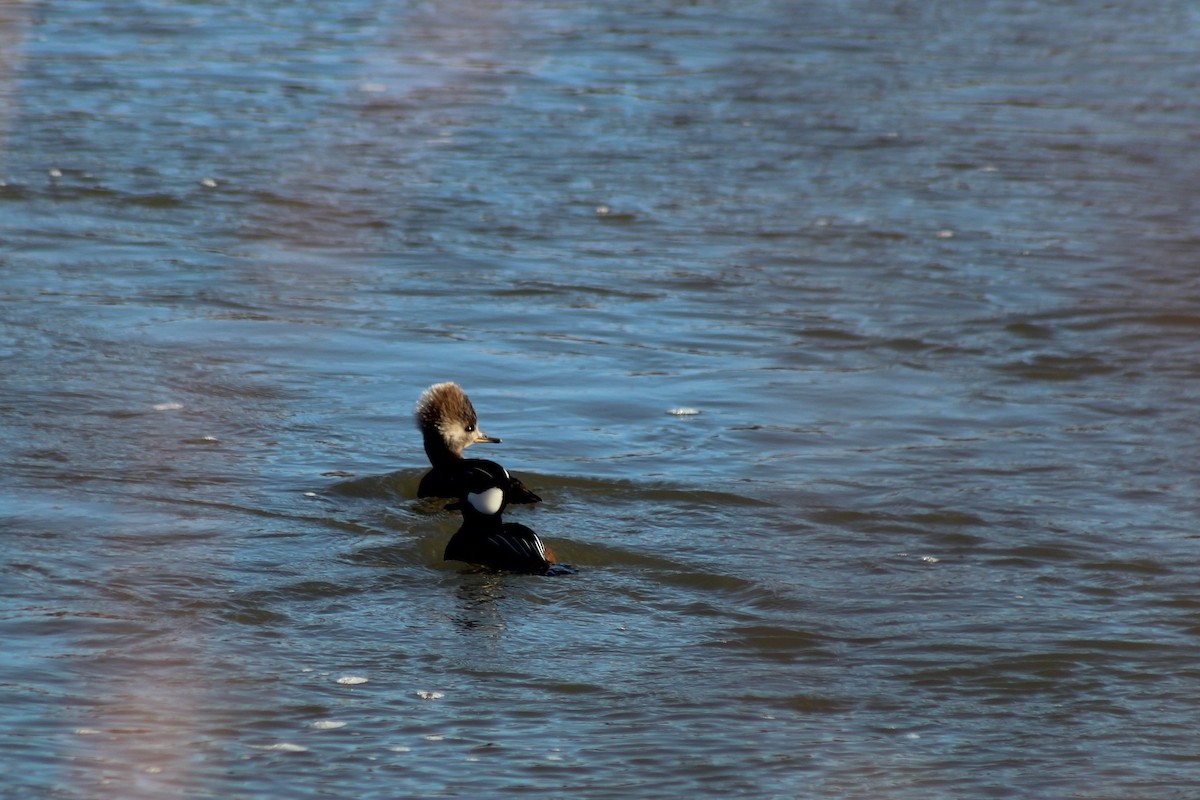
1058	368
399	484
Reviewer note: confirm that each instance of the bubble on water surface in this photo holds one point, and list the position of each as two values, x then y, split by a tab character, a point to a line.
167	406
328	724
683	412
608	213
203	440
351	680
281	747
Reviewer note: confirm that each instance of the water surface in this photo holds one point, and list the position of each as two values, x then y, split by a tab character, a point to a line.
927	274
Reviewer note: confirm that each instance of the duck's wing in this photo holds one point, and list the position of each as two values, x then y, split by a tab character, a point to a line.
510	548
520	493
520	547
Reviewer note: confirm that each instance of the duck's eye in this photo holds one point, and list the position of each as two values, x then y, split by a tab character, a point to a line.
470	429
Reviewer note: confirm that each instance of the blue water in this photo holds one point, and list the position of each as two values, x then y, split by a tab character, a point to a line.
926	272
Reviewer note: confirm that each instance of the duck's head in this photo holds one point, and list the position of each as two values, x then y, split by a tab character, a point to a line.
447	421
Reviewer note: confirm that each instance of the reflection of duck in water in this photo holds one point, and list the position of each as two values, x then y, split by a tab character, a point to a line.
488	540
448	424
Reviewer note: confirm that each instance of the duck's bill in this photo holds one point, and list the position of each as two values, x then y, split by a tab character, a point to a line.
481	438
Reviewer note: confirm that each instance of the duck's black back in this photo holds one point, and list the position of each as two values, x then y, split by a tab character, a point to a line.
510	546
449	480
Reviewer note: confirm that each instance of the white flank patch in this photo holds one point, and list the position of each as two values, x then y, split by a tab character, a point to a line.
351	680
488	502
167	406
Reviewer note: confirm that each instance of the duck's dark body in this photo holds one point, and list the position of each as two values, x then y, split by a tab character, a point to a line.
507	546
485	538
450	480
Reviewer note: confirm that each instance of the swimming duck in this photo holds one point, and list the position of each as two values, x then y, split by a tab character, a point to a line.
448	425
484	538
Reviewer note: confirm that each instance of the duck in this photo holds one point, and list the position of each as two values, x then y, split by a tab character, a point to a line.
448	425
485	539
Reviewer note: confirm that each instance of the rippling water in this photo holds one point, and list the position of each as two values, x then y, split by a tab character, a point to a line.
926	271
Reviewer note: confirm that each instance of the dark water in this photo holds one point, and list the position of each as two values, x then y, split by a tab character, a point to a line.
928	271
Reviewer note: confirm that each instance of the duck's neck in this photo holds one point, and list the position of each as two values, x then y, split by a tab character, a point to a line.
480	524
439	454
